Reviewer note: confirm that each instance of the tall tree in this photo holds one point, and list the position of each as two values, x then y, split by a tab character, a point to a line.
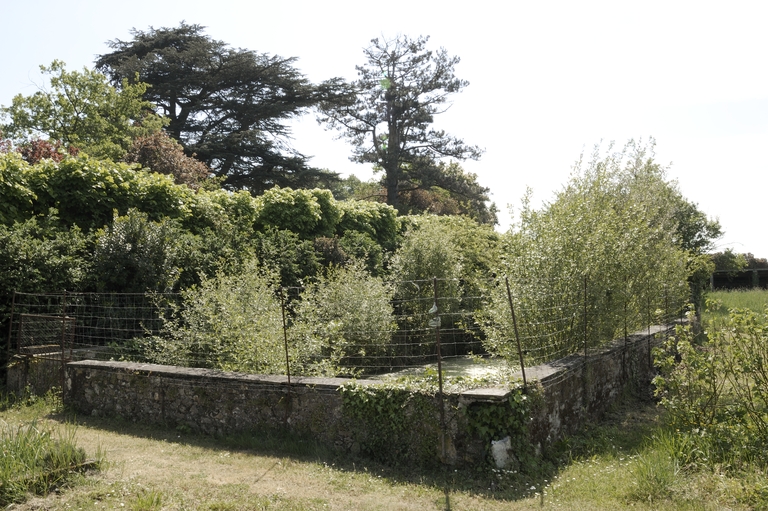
227	105
82	110
389	120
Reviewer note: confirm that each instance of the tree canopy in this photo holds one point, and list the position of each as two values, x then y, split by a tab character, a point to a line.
389	118
83	111
229	106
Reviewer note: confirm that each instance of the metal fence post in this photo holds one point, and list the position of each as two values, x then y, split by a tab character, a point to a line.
439	371
585	320
517	333
648	305
285	336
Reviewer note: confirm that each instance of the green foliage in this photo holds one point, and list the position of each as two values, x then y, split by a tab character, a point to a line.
495	421
458	252
718	391
479	245
37	459
228	105
359	246
424	254
446	189
379	221
17	198
230	322
83	111
308	213
395	417
346	319
609	238
729	261
38	255
283	252
220	209
135	254
352	188
86	191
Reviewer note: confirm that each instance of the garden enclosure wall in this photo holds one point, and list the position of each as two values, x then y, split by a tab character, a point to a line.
75	341
572	390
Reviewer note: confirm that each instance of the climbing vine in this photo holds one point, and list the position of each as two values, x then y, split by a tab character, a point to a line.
508	418
400	420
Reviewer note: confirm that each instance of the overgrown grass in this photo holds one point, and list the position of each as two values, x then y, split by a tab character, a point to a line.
37	456
37	459
721	301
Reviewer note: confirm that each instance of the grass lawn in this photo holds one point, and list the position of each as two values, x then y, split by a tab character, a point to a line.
616	464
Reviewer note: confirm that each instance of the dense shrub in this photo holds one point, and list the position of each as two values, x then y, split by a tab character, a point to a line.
283	252
345	321
16	198
229	322
716	392
379	221
37	255
425	253
135	254
86	191
308	213
609	237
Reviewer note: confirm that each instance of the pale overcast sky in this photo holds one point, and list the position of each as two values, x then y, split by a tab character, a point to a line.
548	80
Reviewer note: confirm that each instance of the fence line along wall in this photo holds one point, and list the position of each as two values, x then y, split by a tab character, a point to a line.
575	389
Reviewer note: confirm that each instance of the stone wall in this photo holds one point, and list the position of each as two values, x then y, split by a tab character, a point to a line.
574	389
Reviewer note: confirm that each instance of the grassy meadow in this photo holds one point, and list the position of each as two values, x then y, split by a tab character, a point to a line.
721	301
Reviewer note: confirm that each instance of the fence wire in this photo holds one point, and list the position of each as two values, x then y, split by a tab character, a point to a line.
520	323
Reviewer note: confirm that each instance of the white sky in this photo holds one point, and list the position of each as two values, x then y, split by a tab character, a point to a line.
548	80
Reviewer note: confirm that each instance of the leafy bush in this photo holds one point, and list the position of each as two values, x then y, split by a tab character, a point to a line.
379	221
135	254
86	191
426	253
345	321
308	213
230	322
360	246
16	198
38	255
283	252
593	262
718	391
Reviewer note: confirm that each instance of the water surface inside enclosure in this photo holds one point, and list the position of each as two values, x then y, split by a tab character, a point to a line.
468	367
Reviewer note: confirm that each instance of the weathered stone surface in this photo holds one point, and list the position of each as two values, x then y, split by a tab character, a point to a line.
575	389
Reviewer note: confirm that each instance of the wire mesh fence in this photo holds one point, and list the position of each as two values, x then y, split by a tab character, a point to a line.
341	332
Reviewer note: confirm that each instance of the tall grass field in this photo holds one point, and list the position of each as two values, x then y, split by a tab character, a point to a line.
719	302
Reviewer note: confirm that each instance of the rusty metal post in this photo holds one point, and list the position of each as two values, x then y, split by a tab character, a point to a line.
517	333
439	372
285	337
648	305
585	320
10	326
